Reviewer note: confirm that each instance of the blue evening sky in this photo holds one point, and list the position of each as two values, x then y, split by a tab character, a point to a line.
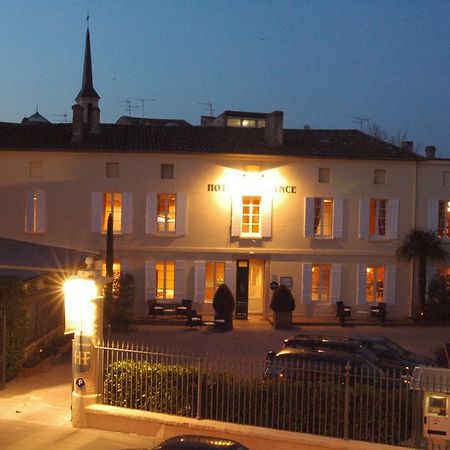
321	62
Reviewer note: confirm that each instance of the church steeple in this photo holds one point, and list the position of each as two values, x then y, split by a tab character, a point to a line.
86	113
87	88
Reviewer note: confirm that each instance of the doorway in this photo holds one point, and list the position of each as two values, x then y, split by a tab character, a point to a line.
249	287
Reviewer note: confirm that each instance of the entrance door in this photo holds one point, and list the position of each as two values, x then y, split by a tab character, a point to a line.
256	286
242	288
249	287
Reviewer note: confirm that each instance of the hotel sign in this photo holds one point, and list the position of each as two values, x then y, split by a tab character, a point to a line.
287	189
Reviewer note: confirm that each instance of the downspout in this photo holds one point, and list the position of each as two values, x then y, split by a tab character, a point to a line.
414	221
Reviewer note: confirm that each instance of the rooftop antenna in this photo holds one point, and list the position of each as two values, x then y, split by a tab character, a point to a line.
129	106
143	100
361	121
63	115
210	107
87	18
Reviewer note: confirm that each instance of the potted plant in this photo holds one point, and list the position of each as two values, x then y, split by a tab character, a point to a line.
223	304
282	305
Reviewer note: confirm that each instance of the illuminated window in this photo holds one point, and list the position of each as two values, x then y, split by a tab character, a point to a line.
166	213
321	282
377	218
35	218
437	405
112	170
246	123
251	216
375	284
165	280
214	277
323	216
112	204
444	219
116	269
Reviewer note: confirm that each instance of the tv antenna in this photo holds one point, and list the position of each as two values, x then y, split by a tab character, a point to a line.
210	107
143	100
63	115
128	105
361	121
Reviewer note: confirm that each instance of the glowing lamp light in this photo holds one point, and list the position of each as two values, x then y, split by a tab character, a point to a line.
79	294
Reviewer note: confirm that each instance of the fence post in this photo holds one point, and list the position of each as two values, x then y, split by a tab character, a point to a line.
347	400
199	388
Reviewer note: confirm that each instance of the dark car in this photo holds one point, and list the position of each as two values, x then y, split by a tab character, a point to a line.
388	349
295	363
346	344
192	442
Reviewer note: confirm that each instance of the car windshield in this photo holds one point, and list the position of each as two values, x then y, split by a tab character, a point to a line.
399	350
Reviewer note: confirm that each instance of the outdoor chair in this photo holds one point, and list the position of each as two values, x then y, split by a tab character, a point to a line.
379	311
185	306
193	319
154	309
343	311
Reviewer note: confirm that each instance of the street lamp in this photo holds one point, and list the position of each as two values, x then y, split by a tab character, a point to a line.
84	317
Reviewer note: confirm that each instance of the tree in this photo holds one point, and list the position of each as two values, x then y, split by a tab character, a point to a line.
223	304
421	247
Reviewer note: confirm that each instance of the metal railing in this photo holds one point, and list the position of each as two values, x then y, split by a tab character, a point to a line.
324	399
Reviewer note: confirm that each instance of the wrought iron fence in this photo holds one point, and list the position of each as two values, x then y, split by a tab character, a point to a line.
2	348
323	399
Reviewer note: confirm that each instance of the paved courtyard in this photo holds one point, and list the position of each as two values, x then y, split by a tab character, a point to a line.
256	337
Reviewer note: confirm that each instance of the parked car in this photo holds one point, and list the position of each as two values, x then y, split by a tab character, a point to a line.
192	442
388	349
349	345
307	362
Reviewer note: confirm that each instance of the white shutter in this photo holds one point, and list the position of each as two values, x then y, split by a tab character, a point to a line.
392	218
266	216
361	284
307	283
96	212
29	212
390	284
179	281
433	215
150	213
336	282
338	218
230	276
41	213
364	213
127	212
150	280
180	218
125	266
199	281
309	217
236	215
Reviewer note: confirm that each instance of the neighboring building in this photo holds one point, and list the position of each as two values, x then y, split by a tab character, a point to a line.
320	210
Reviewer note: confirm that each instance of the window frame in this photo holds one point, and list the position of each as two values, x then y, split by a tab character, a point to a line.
443	228
319	222
251	214
117	221
166	286
166	220
376	218
374	299
215	280
324	287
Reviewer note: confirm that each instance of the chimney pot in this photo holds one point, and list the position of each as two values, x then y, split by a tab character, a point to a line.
408	146
430	152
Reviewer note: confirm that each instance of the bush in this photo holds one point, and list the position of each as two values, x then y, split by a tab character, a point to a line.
223	304
12	300
282	299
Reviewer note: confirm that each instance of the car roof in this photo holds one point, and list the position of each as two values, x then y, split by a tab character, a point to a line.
191	442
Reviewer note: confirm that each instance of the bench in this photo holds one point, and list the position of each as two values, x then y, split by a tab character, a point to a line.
169	309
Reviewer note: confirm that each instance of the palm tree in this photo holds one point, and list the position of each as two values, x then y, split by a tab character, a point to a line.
421	247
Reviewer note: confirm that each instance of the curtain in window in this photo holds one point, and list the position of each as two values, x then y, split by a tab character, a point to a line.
317	213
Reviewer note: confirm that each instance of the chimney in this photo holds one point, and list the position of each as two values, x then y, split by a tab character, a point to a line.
408	146
95	120
273	132
77	124
430	152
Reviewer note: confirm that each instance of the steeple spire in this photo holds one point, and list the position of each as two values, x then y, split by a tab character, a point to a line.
87	87
86	113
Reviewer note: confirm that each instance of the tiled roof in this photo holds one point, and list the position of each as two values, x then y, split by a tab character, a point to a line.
143	139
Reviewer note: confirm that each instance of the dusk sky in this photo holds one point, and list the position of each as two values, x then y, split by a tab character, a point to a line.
321	62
